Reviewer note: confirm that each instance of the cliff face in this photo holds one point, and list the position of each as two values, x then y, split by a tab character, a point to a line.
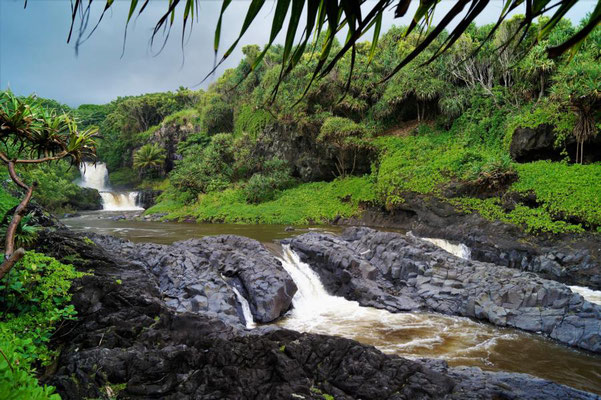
170	134
309	159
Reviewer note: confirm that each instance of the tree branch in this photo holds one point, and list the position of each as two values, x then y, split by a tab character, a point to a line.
11	261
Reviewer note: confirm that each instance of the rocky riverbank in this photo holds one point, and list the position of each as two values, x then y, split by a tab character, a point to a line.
401	273
130	340
573	259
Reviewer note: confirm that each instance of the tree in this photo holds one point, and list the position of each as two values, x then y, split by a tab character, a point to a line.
348	137
32	134
578	86
149	157
330	17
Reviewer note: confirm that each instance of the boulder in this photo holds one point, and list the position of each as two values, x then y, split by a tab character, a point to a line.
86	199
147	198
530	144
538	143
574	259
198	274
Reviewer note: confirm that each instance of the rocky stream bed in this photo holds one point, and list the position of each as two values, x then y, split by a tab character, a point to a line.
164	321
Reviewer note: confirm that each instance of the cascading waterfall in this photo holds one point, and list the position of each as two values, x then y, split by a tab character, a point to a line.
97	177
459	341
407	334
248	317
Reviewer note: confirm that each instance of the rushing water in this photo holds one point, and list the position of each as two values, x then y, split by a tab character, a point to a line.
96	176
460	341
594	296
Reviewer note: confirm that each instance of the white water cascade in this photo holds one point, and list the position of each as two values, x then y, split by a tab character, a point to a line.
593	296
408	334
248	317
97	177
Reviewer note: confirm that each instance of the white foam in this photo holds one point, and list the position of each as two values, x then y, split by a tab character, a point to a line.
408	334
96	176
458	250
248	317
593	296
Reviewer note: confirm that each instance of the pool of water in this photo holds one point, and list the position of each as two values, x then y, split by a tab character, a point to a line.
169	232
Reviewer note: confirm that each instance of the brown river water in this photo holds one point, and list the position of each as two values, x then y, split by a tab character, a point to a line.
459	341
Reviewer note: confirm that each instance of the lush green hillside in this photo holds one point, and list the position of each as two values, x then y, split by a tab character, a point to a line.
236	153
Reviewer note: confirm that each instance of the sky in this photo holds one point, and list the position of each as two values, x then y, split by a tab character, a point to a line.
36	58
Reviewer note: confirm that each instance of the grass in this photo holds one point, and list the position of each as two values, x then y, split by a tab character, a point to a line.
567	195
307	203
564	190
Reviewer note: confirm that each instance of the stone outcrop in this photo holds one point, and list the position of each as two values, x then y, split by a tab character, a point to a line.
147	198
399	272
530	144
128	344
86	199
309	160
198	274
567	258
538	143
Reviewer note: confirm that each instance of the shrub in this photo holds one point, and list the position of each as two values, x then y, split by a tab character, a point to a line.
217	116
123	177
33	298
265	186
204	170
347	137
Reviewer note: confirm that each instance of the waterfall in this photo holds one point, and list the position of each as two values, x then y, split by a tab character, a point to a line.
94	176
406	334
97	177
458	250
248	317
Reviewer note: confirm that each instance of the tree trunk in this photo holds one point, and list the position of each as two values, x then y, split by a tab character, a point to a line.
11	257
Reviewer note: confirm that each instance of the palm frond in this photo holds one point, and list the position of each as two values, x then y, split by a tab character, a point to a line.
329	17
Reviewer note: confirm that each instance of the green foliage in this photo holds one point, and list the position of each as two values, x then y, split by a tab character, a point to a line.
266	185
217	115
7	202
317	202
347	137
56	188
544	112
124	177
532	220
149	157
565	191
251	121
34	297
128	117
26	232
205	169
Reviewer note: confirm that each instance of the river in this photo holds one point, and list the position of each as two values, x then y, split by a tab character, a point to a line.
459	341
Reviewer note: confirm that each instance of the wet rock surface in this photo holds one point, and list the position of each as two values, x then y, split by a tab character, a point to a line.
147	198
573	259
127	343
198	274
400	272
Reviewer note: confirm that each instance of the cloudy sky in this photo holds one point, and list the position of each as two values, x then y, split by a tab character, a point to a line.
35	57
